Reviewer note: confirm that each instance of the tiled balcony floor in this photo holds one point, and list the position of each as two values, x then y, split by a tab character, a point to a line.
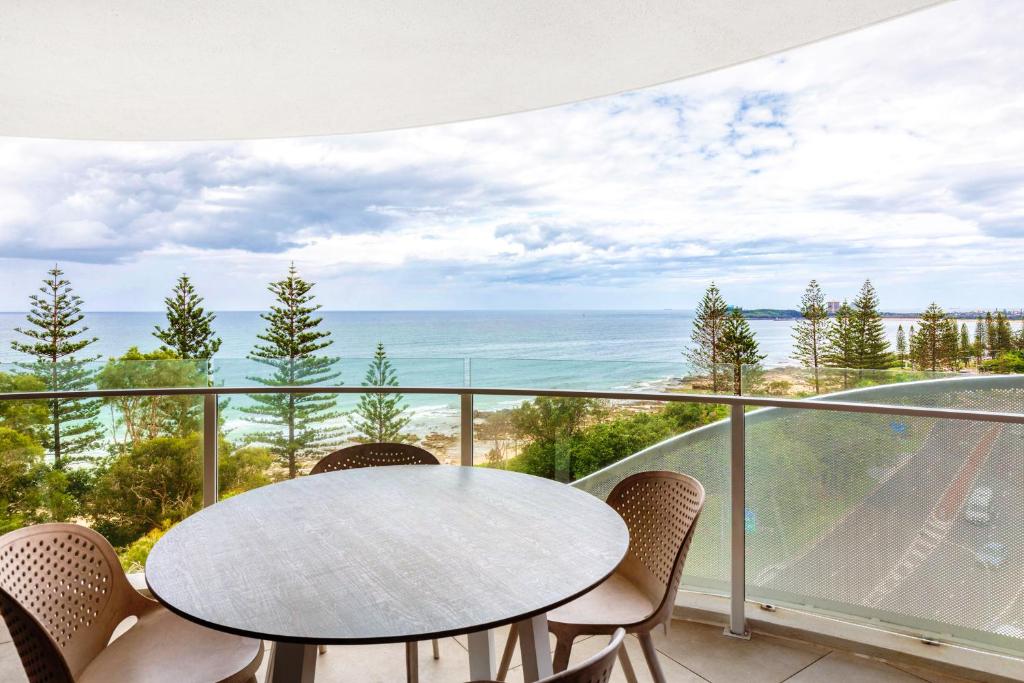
691	653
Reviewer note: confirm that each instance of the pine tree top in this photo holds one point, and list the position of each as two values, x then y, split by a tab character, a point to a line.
871	349
810	331
739	345
812	303
707	325
380	373
292	330
189	332
54	316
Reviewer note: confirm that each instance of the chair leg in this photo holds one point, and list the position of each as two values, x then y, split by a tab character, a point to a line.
510	649
323	649
651	655
627	666
563	650
437	649
412	662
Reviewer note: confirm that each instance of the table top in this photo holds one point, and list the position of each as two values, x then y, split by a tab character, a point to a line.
386	554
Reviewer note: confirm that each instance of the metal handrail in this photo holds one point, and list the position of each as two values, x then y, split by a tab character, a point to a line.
738	404
719	399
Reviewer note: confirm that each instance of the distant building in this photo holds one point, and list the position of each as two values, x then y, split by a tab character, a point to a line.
833	307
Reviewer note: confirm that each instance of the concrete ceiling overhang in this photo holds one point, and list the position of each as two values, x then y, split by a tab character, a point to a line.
227	69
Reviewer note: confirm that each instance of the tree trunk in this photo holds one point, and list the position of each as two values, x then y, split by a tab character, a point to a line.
291	436
55	405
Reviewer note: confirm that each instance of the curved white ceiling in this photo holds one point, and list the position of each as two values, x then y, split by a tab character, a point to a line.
209	69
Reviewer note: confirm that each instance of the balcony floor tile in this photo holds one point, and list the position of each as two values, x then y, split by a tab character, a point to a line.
763	659
691	653
848	668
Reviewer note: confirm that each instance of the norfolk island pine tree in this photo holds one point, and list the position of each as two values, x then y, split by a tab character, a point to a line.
739	347
708	321
380	418
871	347
54	317
840	342
810	332
290	347
189	334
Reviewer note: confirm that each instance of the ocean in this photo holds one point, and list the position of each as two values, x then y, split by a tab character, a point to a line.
543	349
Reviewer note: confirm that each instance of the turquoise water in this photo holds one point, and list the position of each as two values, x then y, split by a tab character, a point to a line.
541	349
657	336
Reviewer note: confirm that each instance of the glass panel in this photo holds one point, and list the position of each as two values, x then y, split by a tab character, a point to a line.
576	374
797	382
914	522
130	467
255	428
702	452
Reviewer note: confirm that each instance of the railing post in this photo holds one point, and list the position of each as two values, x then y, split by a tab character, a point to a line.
738	536
210	429
466	429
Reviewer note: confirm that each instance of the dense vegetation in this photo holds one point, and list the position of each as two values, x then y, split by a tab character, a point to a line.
569	438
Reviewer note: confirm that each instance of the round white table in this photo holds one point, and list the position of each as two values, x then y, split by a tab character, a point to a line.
389	554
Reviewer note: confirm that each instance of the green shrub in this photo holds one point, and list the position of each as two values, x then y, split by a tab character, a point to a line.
585	450
1007	363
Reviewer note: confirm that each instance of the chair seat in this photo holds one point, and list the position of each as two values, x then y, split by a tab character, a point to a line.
164	648
615	602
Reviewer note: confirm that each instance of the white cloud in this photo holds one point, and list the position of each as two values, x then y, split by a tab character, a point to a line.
891	153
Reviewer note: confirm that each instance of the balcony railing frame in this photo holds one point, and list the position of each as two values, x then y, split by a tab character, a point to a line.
737	450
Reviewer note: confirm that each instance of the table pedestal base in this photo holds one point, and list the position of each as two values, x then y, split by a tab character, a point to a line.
292	663
535	648
534	645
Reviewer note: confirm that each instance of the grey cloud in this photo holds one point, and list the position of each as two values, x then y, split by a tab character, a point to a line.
212	200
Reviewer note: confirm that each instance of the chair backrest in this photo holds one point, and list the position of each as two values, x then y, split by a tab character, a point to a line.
374	455
62	594
597	669
661	511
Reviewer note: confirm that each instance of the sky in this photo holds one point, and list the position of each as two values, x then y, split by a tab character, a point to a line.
895	153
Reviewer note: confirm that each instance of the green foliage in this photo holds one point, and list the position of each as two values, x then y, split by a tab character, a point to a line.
147	417
927	348
380	418
32	492
133	558
811	332
709	320
965	350
682	417
27	417
21	468
980	340
999	337
950	344
1010	362
901	347
54	321
189	332
159	482
870	346
242	469
939	344
1003	337
290	344
991	336
153	482
586	449
740	350
548	419
840	340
